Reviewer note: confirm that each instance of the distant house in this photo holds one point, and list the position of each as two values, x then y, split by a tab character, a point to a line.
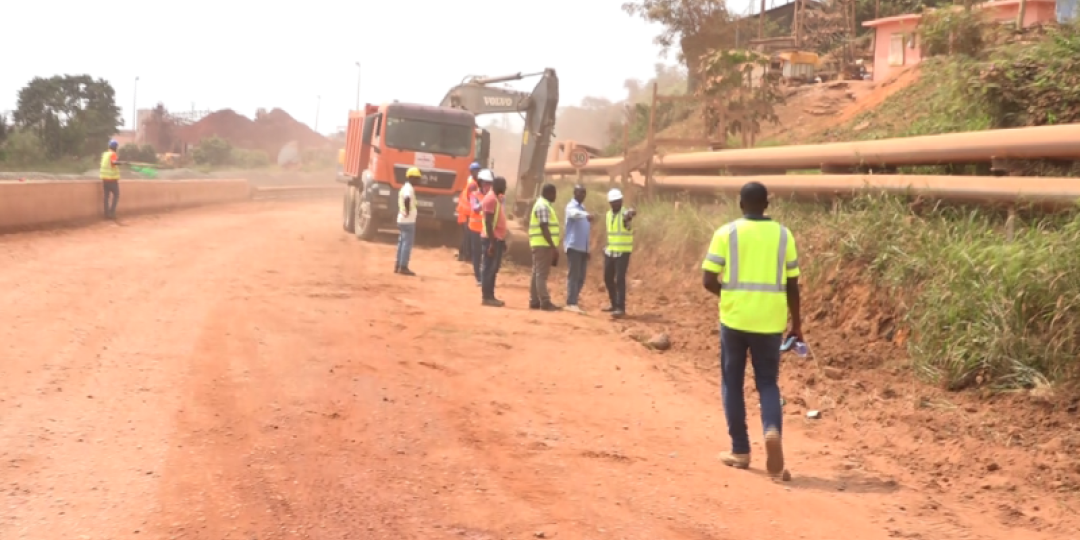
895	40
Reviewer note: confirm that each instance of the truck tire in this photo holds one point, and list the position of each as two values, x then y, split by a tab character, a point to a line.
348	213
365	224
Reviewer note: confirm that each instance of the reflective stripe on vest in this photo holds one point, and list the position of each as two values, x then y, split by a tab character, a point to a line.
619	238
733	283
494	218
108	170
536	234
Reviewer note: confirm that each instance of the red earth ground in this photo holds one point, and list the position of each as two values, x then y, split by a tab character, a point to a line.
250	371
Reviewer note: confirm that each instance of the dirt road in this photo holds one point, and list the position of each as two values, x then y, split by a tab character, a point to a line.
251	372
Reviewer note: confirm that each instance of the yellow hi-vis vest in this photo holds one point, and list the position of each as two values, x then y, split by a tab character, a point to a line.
108	170
536	234
754	258
619	238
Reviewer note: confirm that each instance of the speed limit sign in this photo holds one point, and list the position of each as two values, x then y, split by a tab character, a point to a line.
579	158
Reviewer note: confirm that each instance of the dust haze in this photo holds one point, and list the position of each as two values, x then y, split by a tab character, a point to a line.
594	121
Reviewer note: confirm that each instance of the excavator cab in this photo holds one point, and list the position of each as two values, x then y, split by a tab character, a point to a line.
483	147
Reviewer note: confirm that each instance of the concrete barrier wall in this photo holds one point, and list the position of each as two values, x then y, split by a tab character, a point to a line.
31	205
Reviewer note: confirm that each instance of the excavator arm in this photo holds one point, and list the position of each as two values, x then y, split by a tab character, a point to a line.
539	107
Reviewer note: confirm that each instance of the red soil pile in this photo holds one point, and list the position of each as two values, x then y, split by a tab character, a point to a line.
269	132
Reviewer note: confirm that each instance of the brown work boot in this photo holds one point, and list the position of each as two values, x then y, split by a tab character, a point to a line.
739	461
774	450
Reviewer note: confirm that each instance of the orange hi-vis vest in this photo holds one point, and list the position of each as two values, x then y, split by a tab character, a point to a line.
464	206
476	219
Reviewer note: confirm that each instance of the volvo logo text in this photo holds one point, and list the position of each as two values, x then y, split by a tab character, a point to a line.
493	101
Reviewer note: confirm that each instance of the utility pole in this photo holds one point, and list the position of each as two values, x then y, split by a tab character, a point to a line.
318	104
358	71
795	24
1020	15
761	21
135	110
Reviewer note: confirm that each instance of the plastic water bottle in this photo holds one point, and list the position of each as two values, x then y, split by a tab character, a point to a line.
793	344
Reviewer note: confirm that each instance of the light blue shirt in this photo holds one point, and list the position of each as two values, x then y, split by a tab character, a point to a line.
577	227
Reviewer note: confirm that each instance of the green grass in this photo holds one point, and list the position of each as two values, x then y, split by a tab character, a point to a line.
981	309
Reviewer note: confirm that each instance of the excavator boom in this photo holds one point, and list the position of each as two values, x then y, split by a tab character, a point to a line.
539	107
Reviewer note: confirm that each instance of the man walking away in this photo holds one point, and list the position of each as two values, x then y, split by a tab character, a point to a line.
494	240
464	209
476	221
110	178
544	241
578	223
753	266
406	222
620	243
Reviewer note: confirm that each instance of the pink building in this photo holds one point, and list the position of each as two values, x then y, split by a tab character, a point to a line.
895	40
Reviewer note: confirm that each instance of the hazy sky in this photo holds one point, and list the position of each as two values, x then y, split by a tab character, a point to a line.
245	55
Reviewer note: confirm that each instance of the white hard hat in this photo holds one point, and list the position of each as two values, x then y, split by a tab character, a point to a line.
614	195
485	175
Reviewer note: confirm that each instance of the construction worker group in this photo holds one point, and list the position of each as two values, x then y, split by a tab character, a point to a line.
483	222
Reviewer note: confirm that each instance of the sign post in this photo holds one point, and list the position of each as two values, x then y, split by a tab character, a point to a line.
579	158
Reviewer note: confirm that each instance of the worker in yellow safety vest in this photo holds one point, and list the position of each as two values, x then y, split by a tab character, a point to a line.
753	267
464	210
109	173
620	244
544	241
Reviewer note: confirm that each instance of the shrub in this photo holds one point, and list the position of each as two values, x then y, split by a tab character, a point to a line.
249	159
141	154
212	151
23	148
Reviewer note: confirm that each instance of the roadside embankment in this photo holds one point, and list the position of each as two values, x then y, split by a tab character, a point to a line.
944	321
31	205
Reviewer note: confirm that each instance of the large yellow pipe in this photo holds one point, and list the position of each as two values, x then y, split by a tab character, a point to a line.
1060	142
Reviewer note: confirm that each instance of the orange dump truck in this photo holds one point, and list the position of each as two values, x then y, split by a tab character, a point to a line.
382	142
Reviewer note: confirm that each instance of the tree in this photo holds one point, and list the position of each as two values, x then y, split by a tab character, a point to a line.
695	25
73	115
3	128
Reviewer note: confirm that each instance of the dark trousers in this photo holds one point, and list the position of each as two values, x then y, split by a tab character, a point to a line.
491	266
615	279
476	252
111	191
575	277
464	252
764	352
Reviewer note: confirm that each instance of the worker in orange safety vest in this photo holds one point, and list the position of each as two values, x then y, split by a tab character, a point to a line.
476	219
463	211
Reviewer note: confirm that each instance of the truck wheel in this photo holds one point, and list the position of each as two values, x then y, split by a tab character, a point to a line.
364	224
348	213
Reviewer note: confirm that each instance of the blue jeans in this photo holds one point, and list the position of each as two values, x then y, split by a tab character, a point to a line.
765	356
463	250
112	193
405	239
476	250
575	277
491	266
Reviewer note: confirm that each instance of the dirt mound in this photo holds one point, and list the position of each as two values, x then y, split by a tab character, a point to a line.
268	132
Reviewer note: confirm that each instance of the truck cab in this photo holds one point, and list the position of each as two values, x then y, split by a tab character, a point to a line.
384	141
